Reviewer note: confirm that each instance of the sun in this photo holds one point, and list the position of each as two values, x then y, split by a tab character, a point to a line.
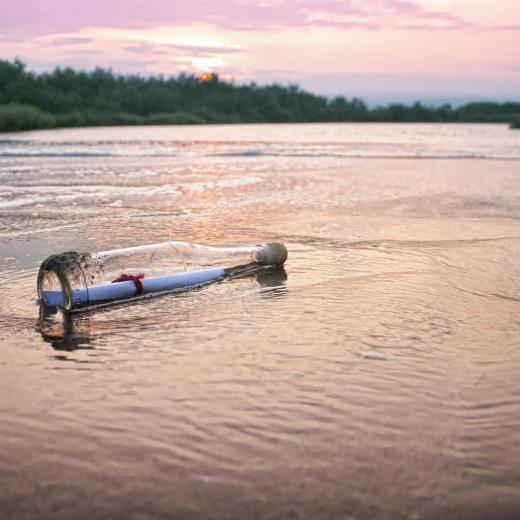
207	76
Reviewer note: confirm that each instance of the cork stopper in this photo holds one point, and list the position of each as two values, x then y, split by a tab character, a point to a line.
272	253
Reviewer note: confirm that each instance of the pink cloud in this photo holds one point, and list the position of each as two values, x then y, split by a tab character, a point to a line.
511	27
168	48
70	41
29	18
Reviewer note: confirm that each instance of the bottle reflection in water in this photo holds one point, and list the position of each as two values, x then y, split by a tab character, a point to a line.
64	331
77	331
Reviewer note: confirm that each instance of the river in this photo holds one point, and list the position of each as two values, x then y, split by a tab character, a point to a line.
376	376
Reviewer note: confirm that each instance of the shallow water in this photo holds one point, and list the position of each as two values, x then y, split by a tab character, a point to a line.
375	377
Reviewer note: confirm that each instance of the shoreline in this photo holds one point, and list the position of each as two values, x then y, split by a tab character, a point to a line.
511	125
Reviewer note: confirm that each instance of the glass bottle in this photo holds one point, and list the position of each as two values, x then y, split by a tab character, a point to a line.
73	281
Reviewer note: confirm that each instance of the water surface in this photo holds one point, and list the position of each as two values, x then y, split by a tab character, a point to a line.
255	397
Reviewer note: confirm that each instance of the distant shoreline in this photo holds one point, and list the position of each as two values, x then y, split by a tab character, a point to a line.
513	125
67	98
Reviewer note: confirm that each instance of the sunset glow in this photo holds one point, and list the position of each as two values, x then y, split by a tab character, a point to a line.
379	50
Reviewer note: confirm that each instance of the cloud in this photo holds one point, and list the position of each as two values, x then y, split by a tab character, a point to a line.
29	18
69	41
163	50
169	48
511	27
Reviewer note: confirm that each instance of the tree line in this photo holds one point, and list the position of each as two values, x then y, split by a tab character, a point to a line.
69	98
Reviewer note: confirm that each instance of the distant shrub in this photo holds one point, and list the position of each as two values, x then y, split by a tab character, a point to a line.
69	98
123	119
15	117
209	114
174	118
70	119
94	118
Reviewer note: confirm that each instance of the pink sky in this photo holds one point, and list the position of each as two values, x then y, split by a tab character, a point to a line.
381	50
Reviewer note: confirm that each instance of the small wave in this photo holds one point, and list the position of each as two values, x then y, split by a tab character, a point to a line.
167	152
356	155
18	203
13	141
55	154
54	195
243	153
88	154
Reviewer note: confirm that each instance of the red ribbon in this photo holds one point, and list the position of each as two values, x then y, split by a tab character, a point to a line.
136	278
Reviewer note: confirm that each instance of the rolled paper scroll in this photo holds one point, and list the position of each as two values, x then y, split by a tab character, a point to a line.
98	294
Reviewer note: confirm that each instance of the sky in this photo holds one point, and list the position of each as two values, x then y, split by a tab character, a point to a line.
379	50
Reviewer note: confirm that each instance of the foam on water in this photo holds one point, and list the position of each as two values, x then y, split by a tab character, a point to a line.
332	140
